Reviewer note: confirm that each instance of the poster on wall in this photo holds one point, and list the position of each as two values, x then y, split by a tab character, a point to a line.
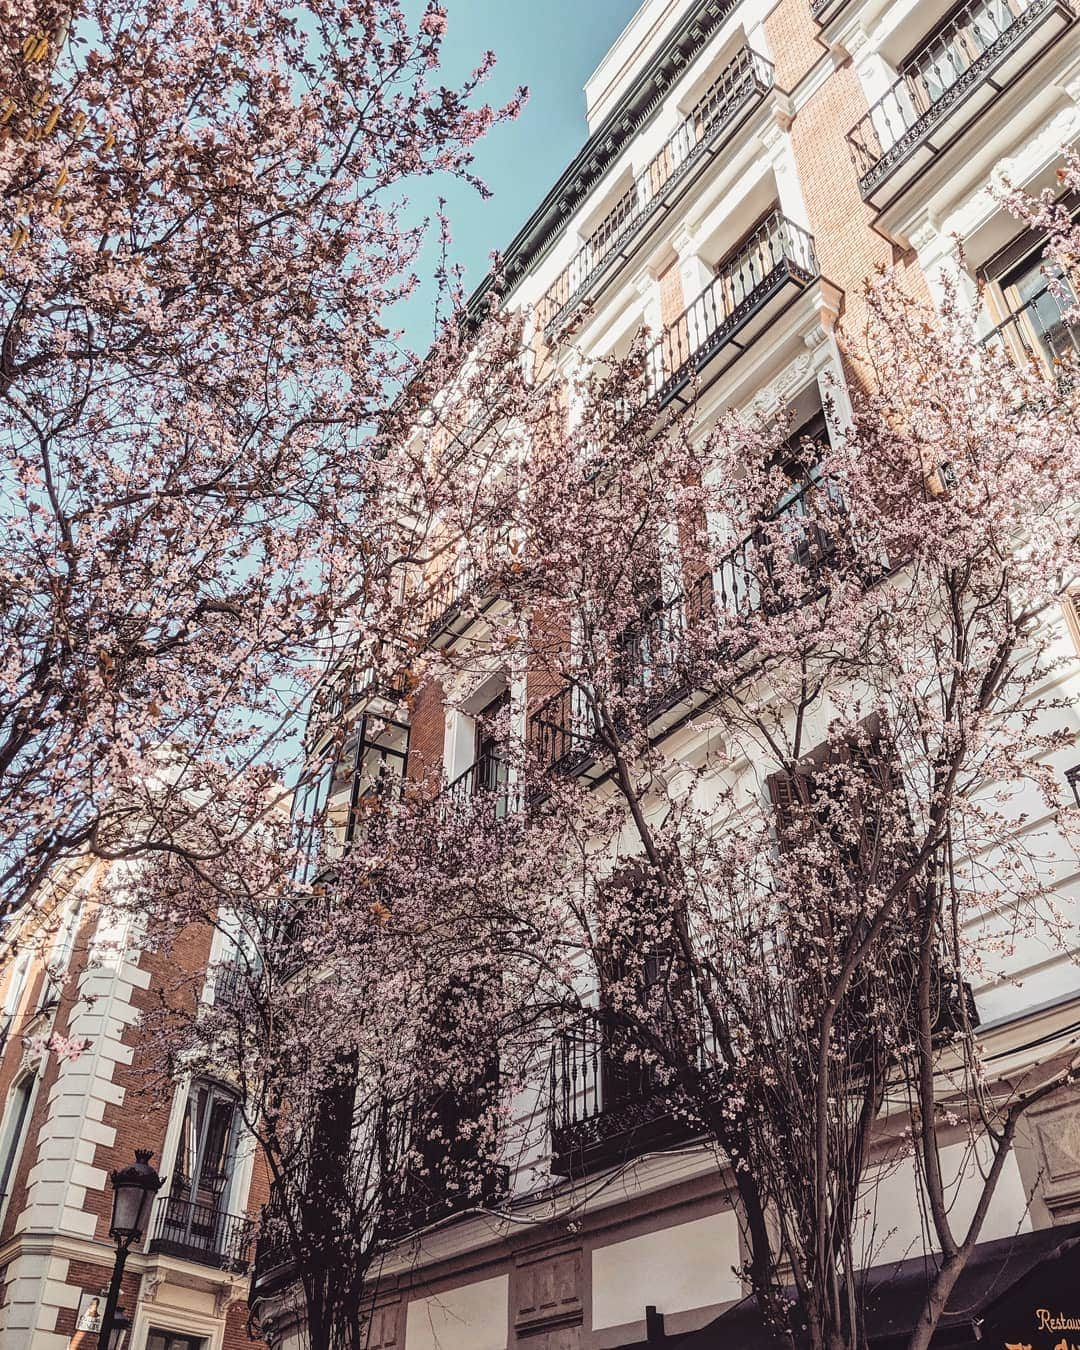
88	1321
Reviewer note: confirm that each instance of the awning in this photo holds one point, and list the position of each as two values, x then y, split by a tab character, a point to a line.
1020	1291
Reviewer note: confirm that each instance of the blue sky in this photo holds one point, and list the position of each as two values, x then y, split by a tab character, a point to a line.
552	47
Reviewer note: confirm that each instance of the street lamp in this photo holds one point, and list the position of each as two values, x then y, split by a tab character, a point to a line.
134	1188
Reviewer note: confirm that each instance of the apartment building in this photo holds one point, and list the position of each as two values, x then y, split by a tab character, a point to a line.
748	165
80	970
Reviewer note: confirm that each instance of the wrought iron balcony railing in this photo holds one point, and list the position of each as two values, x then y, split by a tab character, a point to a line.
607	1105
1072	777
742	84
1038	330
343	688
487	780
447	604
228	983
777	259
418	1208
943	88
204	1234
657	665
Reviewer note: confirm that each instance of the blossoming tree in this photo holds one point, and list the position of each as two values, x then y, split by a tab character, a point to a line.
201	216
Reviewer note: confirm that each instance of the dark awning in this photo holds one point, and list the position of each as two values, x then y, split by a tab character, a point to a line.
998	1298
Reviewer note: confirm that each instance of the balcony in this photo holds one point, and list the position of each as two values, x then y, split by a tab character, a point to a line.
485	783
228	984
413	1211
659	670
974	58
740	87
204	1234
343	687
607	1108
463	591
824	11
1072	777
751	287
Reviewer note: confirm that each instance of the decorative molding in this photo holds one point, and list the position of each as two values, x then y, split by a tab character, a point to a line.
684	242
1056	1128
152	1282
1012	170
226	1296
638	105
788	382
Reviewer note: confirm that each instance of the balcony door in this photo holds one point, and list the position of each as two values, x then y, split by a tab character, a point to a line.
202	1189
796	535
492	761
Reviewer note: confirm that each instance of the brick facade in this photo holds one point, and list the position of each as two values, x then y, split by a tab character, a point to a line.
88	1117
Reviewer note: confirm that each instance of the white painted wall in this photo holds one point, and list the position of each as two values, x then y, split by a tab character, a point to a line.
472	1317
892	1228
688	1266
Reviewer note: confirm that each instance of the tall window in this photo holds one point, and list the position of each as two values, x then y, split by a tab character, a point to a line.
60	955
378	767
16	1118
1031	299
206	1154
310	803
15	988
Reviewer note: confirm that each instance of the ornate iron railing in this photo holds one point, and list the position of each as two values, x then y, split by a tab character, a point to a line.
608	1103
488	779
344	686
655	664
410	1212
204	1234
228	982
743	81
456	585
1072	777
777	252
954	61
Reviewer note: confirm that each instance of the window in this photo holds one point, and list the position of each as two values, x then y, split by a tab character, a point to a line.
17	985
173	1340
194	1220
1029	298
309	820
378	767
16	1119
641	969
452	1127
206	1154
491	743
850	795
60	956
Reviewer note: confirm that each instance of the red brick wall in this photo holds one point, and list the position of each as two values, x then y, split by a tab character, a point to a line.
140	1121
849	250
672	303
426	736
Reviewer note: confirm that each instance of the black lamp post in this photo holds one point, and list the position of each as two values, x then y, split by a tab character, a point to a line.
134	1188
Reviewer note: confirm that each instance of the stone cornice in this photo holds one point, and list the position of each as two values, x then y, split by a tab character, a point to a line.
622	124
